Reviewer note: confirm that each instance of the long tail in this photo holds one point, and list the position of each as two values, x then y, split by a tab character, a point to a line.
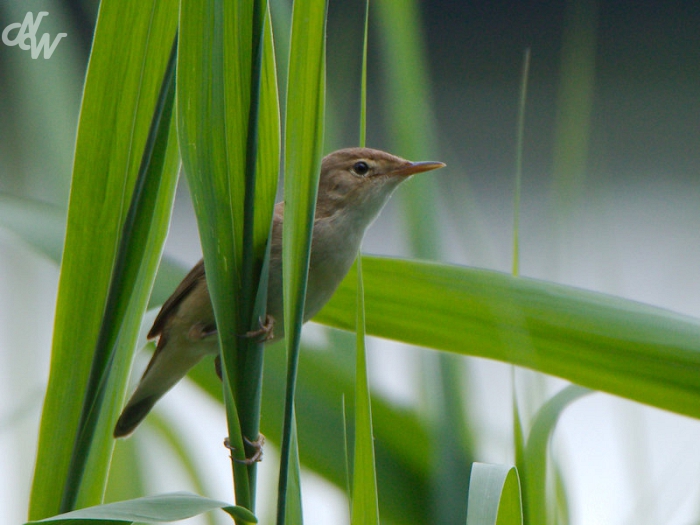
132	415
168	365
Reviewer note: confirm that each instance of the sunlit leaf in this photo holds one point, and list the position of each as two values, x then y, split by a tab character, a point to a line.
131	48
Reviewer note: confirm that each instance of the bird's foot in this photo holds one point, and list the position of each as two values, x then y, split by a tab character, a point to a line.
264	333
256	447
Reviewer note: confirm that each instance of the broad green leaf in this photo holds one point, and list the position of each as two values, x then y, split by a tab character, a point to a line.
494	496
133	274
602	342
131	48
151	509
306	91
228	122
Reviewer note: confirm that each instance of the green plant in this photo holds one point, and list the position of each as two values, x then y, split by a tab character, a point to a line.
605	343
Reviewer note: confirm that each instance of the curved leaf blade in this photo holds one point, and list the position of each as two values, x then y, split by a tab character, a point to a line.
534	460
637	351
494	496
152	509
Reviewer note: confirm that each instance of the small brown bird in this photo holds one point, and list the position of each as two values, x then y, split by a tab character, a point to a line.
354	186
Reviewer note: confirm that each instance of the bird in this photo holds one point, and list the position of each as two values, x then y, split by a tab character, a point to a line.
354	186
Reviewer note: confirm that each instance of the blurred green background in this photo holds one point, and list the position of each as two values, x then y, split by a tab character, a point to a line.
610	203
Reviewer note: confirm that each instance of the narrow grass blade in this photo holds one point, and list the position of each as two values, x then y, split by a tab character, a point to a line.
404	464
261	186
602	342
494	496
303	149
534	467
574	107
411	128
365	505
520	133
152	509
408	109
131	48
363	81
294	514
518	432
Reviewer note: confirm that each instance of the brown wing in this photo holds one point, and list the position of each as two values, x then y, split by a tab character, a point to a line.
181	292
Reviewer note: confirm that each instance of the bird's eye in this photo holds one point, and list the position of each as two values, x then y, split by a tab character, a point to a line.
361	168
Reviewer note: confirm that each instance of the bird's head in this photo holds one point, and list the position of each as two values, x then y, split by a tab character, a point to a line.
359	181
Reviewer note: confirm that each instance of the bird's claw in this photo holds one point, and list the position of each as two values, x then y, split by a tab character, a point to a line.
264	333
256	446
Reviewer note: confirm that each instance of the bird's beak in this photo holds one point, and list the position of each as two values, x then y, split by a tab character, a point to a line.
416	167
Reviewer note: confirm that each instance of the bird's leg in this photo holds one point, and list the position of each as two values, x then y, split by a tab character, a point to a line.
201	331
256	446
265	332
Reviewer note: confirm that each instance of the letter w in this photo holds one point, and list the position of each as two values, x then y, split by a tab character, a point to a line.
45	45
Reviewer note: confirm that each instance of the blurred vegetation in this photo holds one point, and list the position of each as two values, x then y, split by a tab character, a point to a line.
612	109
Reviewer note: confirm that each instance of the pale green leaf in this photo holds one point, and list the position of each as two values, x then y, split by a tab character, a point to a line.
151	509
494	496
